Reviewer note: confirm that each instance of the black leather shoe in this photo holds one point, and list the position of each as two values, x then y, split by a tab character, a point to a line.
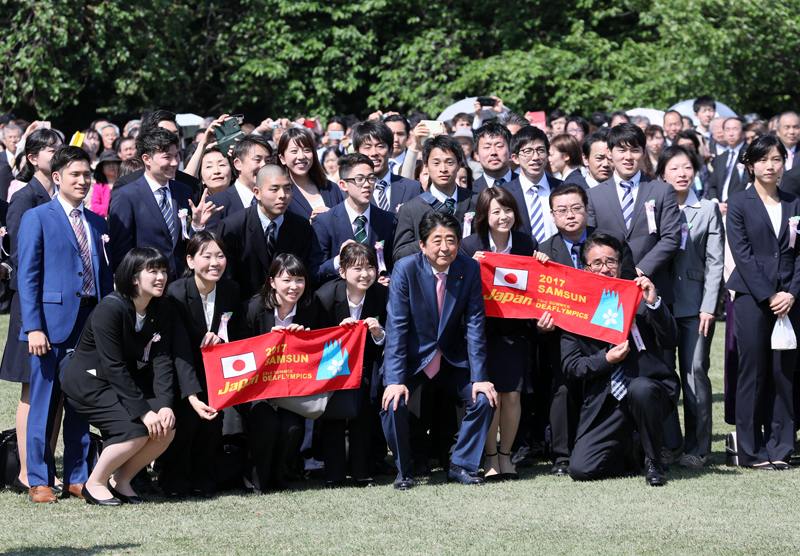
403	483
366	483
58	489
654	473
458	474
766	466
125	499
21	487
560	469
781	465
95	502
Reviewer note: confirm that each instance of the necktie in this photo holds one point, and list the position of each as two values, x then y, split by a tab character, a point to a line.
254	201
618	384
627	202
537	216
83	246
433	366
451	205
576	249
728	172
166	211
361	229
392	166
270	235
789	159
383	199
501	181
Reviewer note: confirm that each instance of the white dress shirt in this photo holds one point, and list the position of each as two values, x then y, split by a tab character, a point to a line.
490	180
289	318
398	164
634	190
68	209
208	306
543	197
441	197
493	246
245	194
355	313
734	152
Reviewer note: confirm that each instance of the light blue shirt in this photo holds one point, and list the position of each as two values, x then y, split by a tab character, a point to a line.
569	245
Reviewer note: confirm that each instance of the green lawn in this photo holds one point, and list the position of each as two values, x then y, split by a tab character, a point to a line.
716	510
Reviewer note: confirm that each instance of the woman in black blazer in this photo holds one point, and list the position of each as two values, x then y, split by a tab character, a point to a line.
312	193
357	296
205	312
120	377
273	433
496	223
761	224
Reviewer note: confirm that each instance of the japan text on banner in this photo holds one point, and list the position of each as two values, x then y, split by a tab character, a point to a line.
580	302
284	364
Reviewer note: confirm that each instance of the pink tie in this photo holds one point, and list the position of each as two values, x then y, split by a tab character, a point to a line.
790	160
433	366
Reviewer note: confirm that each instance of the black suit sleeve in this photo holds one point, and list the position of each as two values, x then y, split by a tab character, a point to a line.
578	366
404	234
663	324
185	371
161	357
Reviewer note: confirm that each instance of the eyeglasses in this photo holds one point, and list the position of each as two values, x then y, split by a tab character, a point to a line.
361	180
597	264
527	153
574	209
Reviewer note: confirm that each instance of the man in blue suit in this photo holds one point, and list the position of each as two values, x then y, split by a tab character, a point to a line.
147	212
443	343
63	273
353	220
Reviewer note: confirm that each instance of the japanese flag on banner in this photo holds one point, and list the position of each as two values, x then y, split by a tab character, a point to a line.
511	278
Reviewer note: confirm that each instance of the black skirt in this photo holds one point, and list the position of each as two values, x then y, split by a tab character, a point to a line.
16	366
508	364
115	423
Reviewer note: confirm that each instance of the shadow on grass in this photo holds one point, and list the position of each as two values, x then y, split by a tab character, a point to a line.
67	550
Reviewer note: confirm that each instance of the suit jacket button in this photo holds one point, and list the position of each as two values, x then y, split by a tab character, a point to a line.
776	255
77	294
80	274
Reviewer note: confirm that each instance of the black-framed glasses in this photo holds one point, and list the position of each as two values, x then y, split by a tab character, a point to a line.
527	153
361	180
574	209
597	264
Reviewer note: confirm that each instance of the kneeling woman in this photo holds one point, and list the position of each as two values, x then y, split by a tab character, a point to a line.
273	433
120	378
344	302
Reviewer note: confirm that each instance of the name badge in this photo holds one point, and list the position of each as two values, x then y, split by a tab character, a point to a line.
637	337
650	209
685	234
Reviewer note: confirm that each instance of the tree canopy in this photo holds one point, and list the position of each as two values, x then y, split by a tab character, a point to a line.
73	61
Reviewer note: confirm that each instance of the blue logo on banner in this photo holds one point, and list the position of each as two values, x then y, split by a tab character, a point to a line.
334	361
609	313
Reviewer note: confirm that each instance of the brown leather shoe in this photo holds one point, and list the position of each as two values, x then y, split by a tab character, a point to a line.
73	490
42	494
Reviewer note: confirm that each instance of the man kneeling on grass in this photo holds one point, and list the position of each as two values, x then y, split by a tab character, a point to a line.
625	388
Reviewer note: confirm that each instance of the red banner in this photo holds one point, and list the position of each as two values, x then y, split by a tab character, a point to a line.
281	364
580	302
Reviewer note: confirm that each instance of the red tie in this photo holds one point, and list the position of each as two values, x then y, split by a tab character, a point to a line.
433	367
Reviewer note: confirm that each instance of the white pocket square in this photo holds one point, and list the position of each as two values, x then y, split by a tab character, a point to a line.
92	372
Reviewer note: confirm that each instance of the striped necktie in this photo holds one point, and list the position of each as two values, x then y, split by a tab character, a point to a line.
618	384
254	201
537	216
451	205
383	198
576	250
270	236
166	211
361	229
83	246
627	202
501	181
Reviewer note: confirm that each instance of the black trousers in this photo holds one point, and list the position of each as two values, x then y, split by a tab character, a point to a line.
565	408
335	451
188	463
764	408
600	451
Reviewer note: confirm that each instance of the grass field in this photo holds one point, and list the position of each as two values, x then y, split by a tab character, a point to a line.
716	510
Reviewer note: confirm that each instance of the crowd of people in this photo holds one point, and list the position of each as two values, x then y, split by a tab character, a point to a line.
128	250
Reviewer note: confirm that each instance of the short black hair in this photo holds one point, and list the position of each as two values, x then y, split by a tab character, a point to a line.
398	118
581	121
616	113
155	140
243	147
445	143
673	112
526	135
558	113
704	100
512	118
691	135
599	118
374	129
137	260
737	118
152	119
569	189
349	161
760	148
336	120
7	117
599	135
600	239
491	129
64	156
671	152
461	116
433	219
355	253
626	134
198	242
291	265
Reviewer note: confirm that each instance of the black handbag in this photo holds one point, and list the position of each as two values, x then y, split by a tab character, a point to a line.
9	457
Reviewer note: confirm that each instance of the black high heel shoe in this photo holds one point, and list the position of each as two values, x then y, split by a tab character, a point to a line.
491	478
94	501
124	498
19	486
508	476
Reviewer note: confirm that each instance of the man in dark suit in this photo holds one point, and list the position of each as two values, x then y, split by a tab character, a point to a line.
596	159
790	182
625	387
353	220
443	157
653	231
492	146
729	177
11	137
568	209
249	155
147	212
374	139
443	343
255	235
63	274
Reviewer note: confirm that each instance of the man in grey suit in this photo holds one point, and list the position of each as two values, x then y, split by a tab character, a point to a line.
619	204
696	279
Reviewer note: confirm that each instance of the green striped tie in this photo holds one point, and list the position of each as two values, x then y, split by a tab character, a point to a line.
361	230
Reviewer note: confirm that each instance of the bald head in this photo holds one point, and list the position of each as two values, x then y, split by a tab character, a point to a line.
789	129
273	190
268	173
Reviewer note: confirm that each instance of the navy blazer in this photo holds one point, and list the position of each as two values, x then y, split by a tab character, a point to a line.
135	220
515	187
333	228
790	181
414	330
230	202
577	178
652	253
480	184
52	270
765	264
402	191
6	176
717	183
187	179
32	195
555	248
331	194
